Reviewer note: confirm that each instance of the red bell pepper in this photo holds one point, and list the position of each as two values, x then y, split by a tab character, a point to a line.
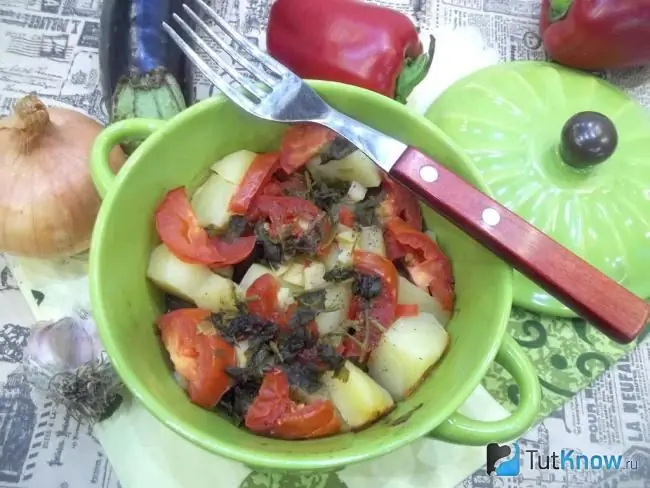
349	41
596	34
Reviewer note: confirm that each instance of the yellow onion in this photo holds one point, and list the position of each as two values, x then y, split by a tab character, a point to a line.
48	203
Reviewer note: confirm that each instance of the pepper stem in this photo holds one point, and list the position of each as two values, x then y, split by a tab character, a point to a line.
414	72
559	9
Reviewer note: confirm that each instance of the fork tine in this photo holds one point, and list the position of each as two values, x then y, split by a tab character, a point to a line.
251	49
214	78
228	68
257	73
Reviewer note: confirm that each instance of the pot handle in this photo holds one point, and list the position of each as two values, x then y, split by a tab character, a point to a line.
110	137
459	429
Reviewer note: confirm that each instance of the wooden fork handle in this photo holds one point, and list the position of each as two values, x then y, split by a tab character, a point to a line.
581	287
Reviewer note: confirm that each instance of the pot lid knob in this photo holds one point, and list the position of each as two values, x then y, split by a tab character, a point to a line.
588	138
568	152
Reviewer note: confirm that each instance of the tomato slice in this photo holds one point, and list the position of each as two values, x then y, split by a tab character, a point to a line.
233	251
410	310
262	298
259	172
275	414
301	142
346	216
393	250
428	266
381	310
199	354
291	216
180	231
292	185
400	202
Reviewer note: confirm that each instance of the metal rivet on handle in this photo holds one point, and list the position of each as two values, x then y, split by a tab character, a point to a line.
491	217
428	174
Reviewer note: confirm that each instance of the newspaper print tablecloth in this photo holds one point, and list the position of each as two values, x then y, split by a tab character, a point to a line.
50	46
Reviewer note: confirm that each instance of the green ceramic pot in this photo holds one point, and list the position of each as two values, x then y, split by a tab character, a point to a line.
125	304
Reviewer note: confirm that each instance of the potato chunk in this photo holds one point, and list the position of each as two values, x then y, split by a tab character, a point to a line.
174	276
406	353
358	398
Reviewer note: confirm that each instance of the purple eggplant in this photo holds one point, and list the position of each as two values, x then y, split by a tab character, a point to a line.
143	73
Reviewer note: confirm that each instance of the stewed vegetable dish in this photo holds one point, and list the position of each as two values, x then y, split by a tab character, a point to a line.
304	297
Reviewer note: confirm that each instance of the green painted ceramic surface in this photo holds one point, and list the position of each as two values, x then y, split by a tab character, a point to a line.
508	119
568	354
125	305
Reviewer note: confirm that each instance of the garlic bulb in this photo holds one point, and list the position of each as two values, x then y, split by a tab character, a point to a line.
65	359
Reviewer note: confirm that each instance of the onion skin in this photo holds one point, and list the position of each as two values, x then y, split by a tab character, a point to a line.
48	202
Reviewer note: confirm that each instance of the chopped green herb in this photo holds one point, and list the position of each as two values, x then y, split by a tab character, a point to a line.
326	196
291	343
307	243
332	359
238	227
306	377
339	148
239	398
366	286
339	274
365	212
313	299
242	327
302	317
272	251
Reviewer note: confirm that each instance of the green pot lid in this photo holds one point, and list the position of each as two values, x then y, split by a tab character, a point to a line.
568	152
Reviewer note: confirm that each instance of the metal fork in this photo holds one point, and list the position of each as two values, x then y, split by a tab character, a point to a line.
275	93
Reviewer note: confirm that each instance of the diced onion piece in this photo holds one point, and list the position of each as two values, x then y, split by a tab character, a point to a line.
371	239
354	167
358	398
233	167
406	353
175	276
240	353
346	239
216	293
344	258
409	294
337	300
356	192
345	235
295	275
226	271
313	275
251	275
211	200
285	297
